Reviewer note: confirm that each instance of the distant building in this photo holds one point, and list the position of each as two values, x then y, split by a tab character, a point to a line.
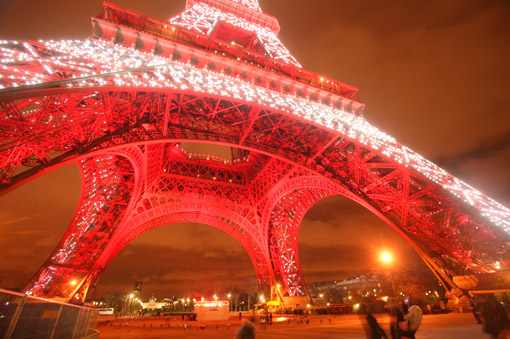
365	286
138	288
350	289
153	304
212	310
416	284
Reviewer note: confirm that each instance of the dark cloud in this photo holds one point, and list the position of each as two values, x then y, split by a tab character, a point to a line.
426	70
33	218
483	165
350	222
317	258
322	262
323	211
485	149
21	256
433	74
179	264
60	19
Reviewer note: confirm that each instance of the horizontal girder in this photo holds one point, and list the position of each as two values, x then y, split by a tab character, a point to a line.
176	77
418	206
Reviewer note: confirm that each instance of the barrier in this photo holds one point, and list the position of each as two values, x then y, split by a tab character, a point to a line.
23	316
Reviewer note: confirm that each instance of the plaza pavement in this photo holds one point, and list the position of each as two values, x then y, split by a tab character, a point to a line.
439	326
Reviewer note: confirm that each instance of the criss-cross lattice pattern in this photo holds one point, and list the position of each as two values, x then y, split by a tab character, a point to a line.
122	104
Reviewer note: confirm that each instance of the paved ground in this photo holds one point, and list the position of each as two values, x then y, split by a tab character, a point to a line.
440	326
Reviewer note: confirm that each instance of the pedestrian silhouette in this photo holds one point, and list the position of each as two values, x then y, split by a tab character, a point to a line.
408	328
494	318
376	332
372	328
246	331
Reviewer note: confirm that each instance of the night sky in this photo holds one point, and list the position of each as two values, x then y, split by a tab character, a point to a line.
434	74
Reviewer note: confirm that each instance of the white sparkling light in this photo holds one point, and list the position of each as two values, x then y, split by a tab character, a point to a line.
99	63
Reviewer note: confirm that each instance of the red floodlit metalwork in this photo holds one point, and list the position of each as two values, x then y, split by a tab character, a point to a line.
121	104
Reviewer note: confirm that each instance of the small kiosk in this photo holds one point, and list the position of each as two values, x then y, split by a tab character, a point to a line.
212	310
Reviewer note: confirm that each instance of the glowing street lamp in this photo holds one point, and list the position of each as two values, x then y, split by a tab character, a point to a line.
128	303
386	257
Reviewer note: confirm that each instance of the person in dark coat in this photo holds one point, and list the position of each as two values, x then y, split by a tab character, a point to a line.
246	331
376	331
475	307
397	316
372	328
494	317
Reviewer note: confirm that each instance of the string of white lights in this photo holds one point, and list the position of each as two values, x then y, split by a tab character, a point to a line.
252	4
92	59
202	19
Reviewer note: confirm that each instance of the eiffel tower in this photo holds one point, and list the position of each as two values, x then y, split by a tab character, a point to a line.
125	103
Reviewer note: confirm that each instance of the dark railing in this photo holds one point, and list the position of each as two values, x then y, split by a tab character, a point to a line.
23	316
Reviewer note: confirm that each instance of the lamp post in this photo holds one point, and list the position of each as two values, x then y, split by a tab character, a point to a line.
127	306
279	298
386	258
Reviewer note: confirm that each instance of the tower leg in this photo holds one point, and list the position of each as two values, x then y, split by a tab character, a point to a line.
107	184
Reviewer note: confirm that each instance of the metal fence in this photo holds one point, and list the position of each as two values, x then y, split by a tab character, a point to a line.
23	316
